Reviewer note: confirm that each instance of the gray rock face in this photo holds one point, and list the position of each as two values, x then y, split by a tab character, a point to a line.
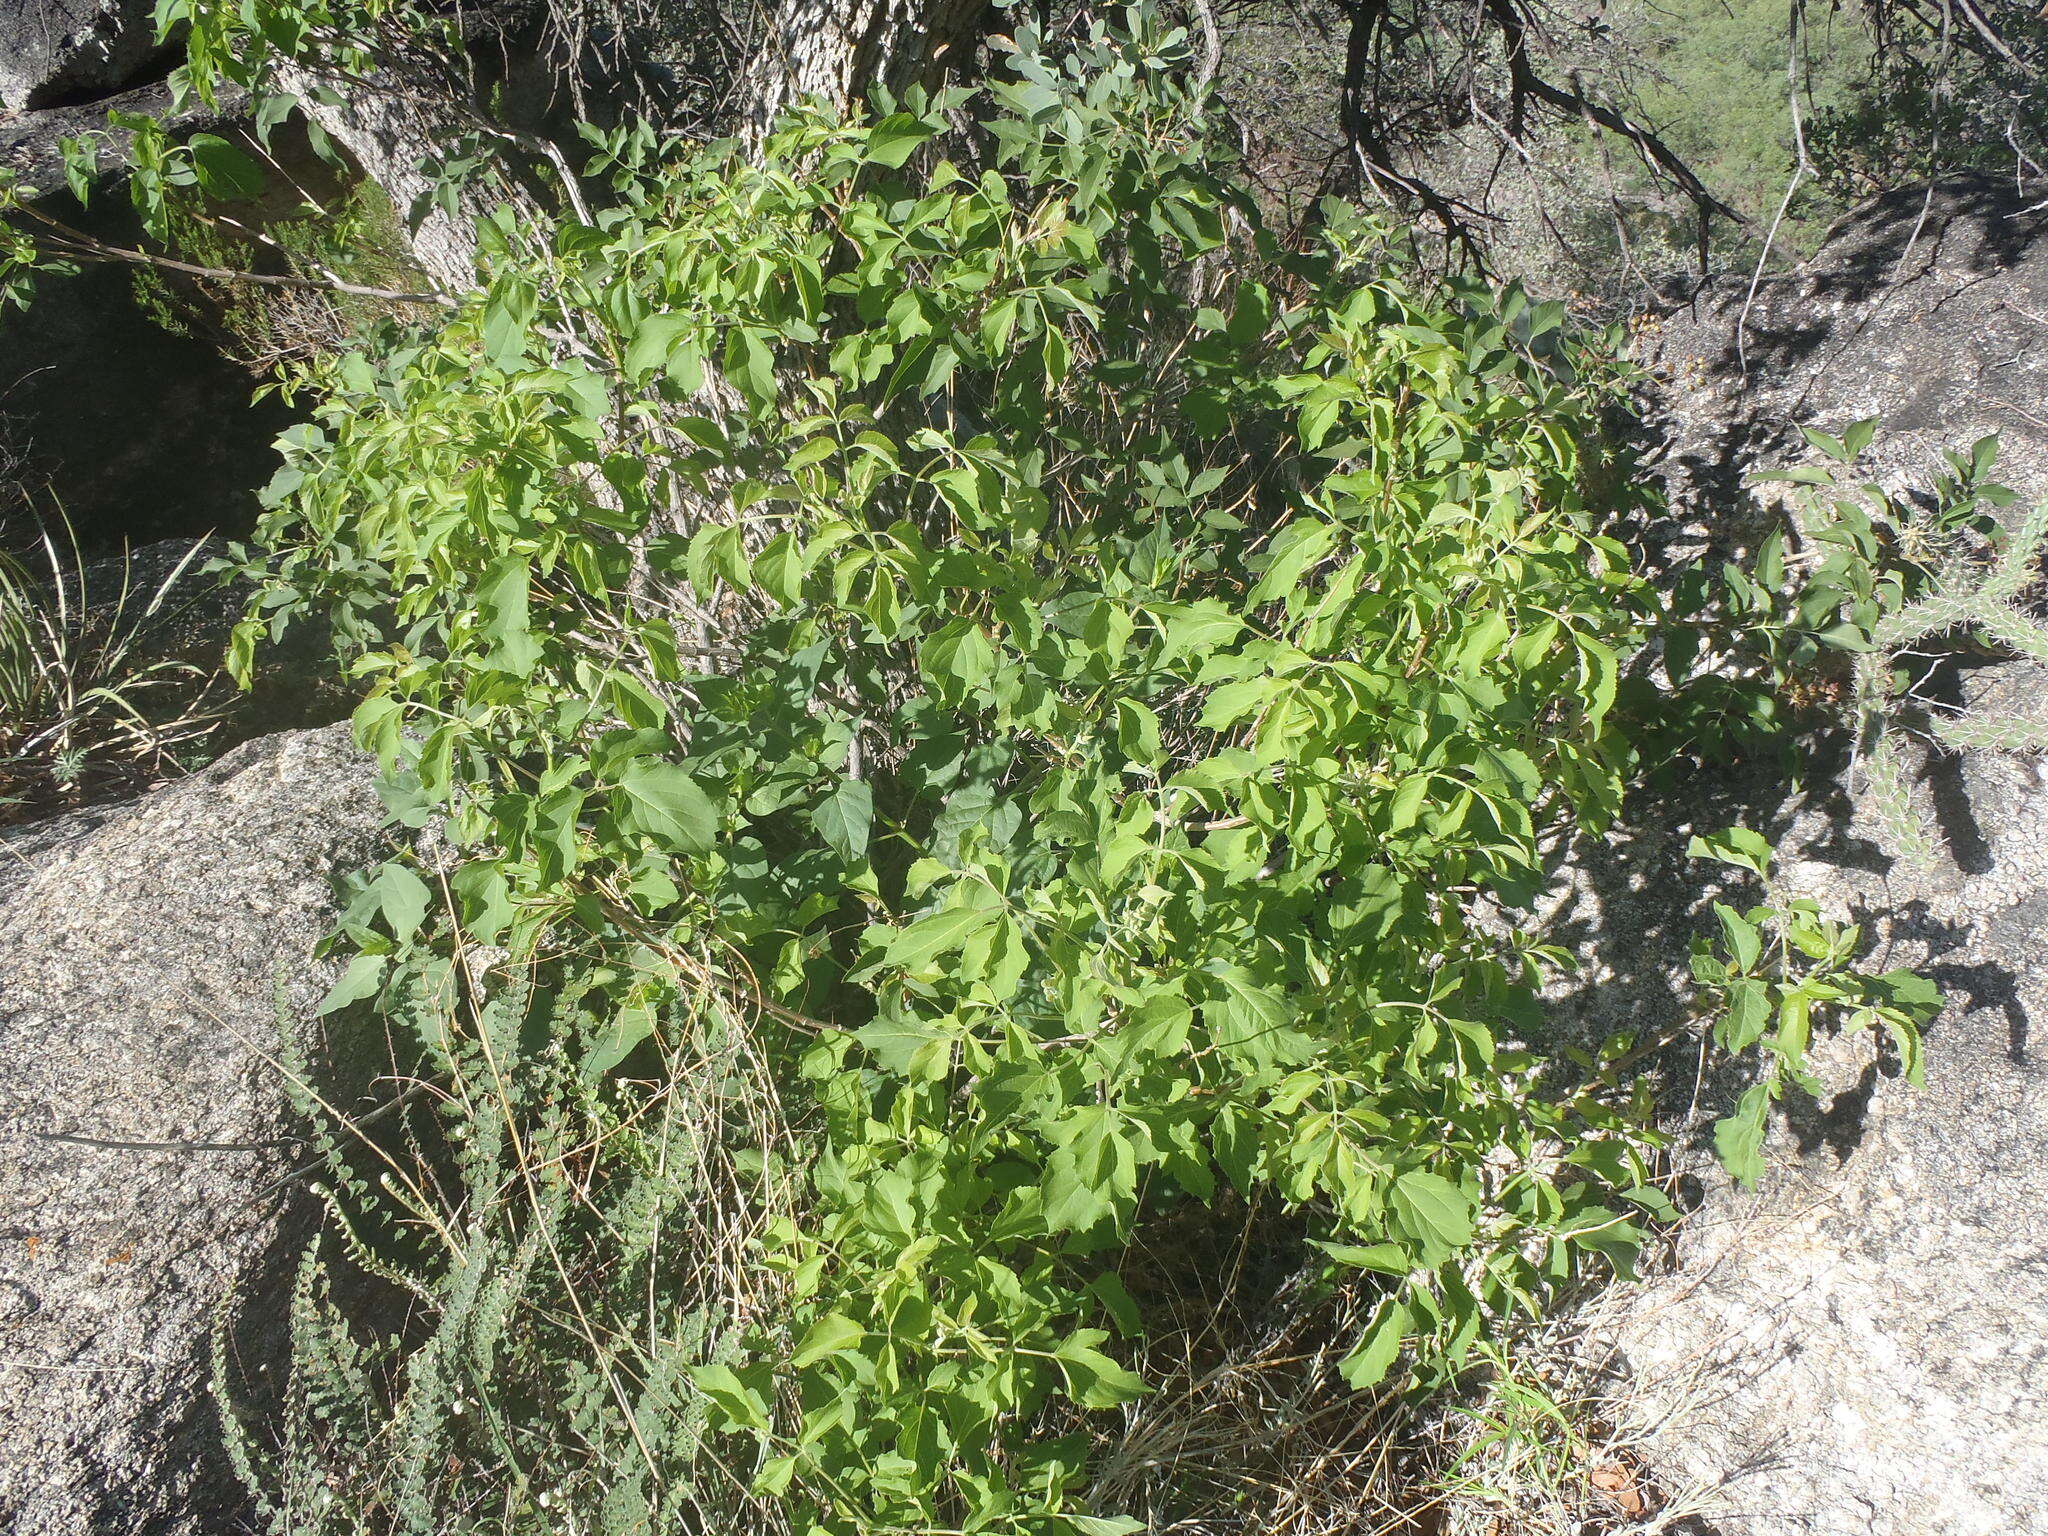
1931	314
54	52
147	953
31	142
1860	1348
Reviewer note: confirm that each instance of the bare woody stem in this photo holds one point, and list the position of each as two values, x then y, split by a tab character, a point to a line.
67	241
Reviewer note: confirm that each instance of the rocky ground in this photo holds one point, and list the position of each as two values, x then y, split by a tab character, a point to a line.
156	978
1861	1347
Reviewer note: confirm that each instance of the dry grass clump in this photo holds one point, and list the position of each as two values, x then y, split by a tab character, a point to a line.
93	699
1552	1442
1253	1432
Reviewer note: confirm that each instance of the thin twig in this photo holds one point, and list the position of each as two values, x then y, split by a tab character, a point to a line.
116	1144
70	242
1212	58
1801	169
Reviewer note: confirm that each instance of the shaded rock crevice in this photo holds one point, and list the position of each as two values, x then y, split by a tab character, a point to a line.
63	53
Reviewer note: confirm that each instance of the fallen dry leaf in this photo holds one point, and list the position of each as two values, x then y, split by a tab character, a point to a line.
1619	1484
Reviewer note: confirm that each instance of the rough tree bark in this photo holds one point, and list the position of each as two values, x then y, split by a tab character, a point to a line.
838	49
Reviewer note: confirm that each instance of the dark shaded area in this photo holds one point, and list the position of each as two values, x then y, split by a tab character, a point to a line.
1968	224
156	67
254	1338
134	432
1927	309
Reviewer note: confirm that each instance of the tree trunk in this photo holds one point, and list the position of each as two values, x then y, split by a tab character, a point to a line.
834	49
839	49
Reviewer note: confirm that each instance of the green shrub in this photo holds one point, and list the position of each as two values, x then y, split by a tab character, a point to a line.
973	716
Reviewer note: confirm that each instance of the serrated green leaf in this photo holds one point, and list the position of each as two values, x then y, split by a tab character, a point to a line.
832	1334
739	1404
1748	1014
363	978
1137	733
1092	1173
750	364
1382	1258
1744	942
653	340
224	169
1378	1348
503	602
938	933
403	898
896	138
616	1039
1739	1137
1433	1210
961	651
1095	1380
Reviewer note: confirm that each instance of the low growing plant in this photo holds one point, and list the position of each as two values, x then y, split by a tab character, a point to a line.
1856	606
90	704
1780	971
